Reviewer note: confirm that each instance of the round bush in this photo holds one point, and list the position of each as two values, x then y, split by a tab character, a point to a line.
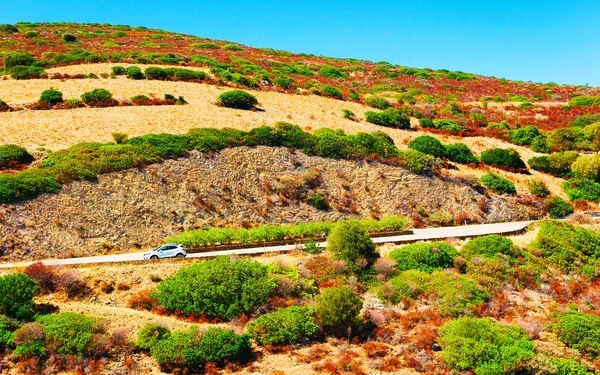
331	91
587	167
460	153
284	326
16	295
218	288
580	331
428	145
508	158
557	207
133	72
498	183
51	97
378	102
338	309
237	99
155	73
119	70
488	247
97	96
14	153
391	117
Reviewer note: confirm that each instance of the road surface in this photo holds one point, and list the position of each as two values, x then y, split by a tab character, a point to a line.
418	235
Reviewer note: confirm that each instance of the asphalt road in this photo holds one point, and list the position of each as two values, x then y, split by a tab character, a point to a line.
418	235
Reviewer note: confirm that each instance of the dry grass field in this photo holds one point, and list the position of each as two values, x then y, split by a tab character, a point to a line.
57	129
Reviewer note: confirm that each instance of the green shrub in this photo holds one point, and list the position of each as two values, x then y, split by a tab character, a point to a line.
190	350
153	72
220	287
332	72
338	309
16	295
488	247
558	163
566	366
537	187
567	139
30	341
456	294
427	257
350	242
13	59
150	335
498	183
284	326
133	72
7	328
318	202
97	96
584	101
566	246
349	115
51	97
508	158
426	123
190	75
69	38
8	29
540	144
167	145
378	102
582	189
26	184
558	208
14	153
285	82
332	92
207	45
417	162
587	167
26	72
428	145
119	71
395	290
449	125
585	120
391	117
232	47
484	346
237	99
579	331
460	153
74	334
524	136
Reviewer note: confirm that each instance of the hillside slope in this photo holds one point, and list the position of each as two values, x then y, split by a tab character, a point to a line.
139	208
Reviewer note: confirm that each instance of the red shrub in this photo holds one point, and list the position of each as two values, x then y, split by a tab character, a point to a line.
44	275
142	301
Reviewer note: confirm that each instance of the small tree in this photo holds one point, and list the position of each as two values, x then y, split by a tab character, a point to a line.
16	295
120	138
338	309
350	242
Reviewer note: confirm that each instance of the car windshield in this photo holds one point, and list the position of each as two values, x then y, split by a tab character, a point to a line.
158	248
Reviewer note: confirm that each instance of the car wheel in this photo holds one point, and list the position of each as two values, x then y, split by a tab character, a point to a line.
153	257
179	255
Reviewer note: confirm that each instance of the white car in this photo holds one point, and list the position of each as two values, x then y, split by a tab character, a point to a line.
170	250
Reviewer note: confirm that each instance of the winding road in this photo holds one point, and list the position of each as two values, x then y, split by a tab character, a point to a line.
418	235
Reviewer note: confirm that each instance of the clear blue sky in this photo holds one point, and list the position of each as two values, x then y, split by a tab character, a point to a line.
540	41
